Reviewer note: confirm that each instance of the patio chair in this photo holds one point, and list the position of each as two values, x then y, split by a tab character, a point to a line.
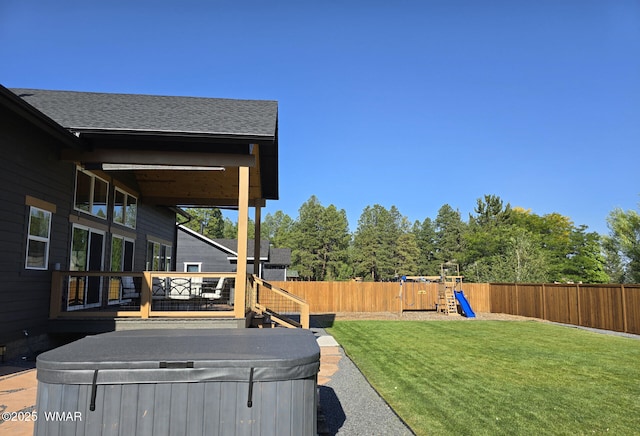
180	288
159	288
129	290
217	292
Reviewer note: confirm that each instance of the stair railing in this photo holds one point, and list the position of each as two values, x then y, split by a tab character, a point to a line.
280	305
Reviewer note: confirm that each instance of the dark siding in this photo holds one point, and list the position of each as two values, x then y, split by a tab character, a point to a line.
214	259
29	166
153	222
192	249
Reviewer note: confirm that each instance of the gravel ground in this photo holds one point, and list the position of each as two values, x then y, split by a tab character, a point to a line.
326	320
352	407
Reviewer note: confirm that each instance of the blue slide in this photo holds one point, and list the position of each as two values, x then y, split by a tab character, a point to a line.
464	304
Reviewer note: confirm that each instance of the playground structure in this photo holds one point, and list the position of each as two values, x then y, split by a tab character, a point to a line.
450	294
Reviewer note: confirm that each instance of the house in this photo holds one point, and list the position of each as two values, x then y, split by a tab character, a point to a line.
197	253
91	185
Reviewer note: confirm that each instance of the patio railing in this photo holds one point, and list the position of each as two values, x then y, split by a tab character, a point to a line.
169	294
78	294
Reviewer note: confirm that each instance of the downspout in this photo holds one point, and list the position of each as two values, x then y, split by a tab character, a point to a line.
179	212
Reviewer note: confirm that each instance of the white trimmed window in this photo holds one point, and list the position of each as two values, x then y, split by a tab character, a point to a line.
38	239
91	194
125	208
193	267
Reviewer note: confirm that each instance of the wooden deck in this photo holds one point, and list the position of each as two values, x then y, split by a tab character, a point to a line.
93	302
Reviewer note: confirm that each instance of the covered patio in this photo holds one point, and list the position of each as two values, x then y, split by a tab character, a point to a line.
176	152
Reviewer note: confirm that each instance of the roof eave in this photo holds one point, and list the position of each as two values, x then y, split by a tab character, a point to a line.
216	136
27	111
205	239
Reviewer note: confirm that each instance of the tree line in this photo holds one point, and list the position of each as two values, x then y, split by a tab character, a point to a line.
496	243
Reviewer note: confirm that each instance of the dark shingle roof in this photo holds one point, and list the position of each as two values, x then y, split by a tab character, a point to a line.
280	256
275	256
232	244
153	113
20	108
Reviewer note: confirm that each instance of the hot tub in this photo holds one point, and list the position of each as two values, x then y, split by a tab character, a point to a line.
181	382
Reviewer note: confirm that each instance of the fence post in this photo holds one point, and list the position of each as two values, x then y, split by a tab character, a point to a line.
490	292
517	301
624	308
579	307
544	301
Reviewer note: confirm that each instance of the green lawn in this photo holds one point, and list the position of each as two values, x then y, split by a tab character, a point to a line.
497	377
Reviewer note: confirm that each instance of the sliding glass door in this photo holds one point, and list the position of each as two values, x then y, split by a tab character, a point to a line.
87	254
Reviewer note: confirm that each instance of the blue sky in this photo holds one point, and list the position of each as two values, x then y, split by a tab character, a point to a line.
410	103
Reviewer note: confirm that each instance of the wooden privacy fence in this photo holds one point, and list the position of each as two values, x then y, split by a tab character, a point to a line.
609	306
333	297
603	306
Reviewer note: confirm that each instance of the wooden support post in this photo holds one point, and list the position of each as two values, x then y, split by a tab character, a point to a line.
304	316
257	270
145	295
243	220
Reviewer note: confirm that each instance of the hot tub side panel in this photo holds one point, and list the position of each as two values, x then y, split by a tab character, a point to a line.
285	407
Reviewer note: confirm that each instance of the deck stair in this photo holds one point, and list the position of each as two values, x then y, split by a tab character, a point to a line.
276	307
270	318
261	321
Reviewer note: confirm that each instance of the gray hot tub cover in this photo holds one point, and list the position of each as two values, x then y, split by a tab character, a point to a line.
183	356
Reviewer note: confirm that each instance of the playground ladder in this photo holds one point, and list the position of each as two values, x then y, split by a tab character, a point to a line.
447	300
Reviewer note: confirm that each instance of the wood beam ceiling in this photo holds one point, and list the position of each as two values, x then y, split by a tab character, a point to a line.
172	182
